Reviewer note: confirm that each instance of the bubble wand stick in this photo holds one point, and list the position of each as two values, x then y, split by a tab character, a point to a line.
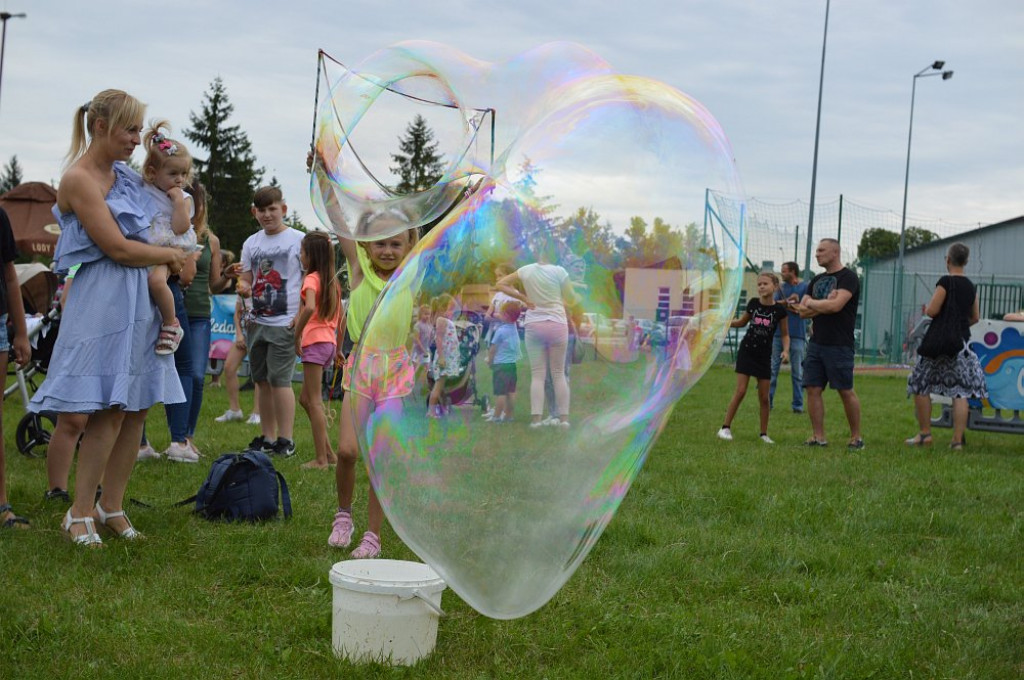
316	103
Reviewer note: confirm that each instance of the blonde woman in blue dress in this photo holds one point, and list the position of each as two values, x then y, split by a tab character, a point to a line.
103	362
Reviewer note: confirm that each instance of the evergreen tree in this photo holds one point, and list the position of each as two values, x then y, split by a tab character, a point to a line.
11	176
229	170
419	166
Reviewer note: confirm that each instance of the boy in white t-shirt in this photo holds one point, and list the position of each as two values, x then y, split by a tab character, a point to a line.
271	275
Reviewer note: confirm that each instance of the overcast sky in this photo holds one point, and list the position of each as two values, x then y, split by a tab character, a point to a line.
754	65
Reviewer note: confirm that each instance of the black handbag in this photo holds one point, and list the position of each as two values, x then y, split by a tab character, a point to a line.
944	337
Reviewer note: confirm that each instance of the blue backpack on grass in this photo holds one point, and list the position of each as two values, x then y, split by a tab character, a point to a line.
242	487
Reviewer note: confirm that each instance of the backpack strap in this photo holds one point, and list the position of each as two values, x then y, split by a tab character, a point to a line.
286	499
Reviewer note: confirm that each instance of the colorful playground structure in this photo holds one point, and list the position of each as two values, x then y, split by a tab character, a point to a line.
1000	348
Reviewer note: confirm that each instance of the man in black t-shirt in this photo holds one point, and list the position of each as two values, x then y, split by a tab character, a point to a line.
831	301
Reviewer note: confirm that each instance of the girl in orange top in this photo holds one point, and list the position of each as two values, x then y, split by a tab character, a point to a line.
316	336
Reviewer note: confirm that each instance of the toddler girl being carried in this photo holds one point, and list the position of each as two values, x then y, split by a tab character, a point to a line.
166	171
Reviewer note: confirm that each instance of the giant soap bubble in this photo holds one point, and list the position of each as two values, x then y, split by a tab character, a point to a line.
617	187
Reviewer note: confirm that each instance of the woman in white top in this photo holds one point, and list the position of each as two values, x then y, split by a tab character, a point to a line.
548	291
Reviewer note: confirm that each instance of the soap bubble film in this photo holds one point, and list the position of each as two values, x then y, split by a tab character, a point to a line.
614	187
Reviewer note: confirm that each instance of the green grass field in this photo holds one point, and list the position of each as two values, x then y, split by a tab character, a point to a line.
726	560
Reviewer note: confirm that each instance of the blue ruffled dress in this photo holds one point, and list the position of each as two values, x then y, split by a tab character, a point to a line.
104	355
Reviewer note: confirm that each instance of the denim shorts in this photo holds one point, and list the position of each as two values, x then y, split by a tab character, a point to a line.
5	340
830	365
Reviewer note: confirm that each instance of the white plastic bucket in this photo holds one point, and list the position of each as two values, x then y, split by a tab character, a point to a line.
385	610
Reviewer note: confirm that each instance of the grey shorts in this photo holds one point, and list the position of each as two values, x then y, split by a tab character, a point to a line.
272	355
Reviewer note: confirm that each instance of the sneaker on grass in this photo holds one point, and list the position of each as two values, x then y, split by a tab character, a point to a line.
230	416
341	530
283	447
181	453
260	444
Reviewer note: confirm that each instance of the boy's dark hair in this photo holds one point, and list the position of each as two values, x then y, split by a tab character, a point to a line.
958	254
267	196
791	266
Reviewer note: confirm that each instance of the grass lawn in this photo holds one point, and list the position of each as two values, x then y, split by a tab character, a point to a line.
726	560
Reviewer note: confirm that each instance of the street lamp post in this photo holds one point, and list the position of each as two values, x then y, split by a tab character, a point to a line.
935	69
817	133
4	16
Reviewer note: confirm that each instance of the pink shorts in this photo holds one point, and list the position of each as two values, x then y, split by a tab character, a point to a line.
380	375
319	353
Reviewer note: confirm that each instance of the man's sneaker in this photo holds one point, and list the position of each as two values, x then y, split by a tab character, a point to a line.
57	494
147	452
725	433
254	419
283	447
260	444
230	417
766	439
181	453
341	530
550	421
488	414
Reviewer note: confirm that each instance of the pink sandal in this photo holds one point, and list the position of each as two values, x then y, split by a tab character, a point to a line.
169	339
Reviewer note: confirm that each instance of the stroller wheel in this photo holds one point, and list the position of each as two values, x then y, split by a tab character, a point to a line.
33	434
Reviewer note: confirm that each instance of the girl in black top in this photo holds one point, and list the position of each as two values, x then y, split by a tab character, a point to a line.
755	355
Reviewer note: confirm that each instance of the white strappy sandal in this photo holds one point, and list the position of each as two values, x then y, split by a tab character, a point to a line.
131	533
89	538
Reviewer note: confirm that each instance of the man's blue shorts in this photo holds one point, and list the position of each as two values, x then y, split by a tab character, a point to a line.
830	365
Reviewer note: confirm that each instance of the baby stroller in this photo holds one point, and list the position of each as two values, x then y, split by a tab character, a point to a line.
39	289
460	389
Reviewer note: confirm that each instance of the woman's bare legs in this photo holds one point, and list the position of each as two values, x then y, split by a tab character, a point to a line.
923	411
119	468
94	452
61	449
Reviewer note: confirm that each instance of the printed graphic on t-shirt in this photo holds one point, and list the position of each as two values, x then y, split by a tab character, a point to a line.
269	296
823	286
764	319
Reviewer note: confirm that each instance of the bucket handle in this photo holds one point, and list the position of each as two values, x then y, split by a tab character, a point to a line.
419	594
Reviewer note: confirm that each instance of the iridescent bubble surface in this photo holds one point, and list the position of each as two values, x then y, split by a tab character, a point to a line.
603	180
